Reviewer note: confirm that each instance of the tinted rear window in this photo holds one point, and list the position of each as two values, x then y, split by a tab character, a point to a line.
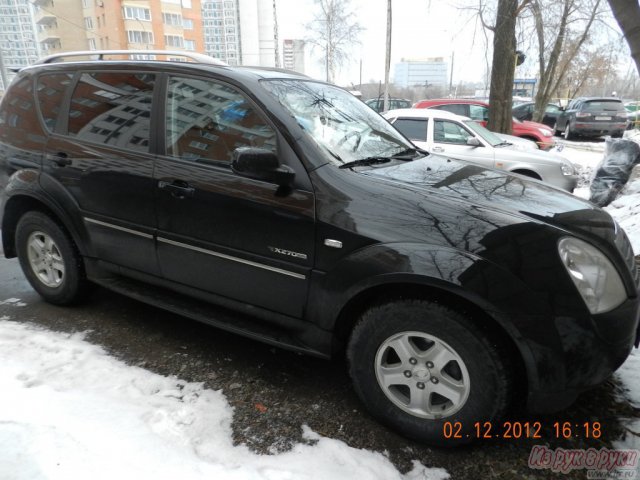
51	89
602	105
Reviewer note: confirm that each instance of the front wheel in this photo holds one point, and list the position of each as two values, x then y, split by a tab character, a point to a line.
50	260
418	365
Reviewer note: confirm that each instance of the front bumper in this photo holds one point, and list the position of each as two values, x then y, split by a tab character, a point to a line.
591	350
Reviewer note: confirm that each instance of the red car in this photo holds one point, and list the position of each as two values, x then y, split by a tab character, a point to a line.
479	111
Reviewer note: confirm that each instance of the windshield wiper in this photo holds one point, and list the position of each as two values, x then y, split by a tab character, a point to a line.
503	144
409	154
380	159
363	162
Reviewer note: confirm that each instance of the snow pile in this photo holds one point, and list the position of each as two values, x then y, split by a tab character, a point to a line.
625	210
69	411
629	374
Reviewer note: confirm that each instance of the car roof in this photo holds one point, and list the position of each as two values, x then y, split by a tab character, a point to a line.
254	72
423	113
446	101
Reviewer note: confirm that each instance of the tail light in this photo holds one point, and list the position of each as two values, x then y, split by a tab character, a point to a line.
582	114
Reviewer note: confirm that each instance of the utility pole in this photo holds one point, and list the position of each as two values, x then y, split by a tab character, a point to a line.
3	73
275	34
387	60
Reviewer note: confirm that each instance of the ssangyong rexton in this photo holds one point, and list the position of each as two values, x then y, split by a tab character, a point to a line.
455	291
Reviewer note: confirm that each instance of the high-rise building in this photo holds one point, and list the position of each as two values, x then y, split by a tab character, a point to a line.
220	24
240	32
430	71
18	37
293	55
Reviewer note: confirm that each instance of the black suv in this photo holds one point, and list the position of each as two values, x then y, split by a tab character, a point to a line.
592	117
455	291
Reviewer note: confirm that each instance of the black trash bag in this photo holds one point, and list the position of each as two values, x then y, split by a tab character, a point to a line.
612	173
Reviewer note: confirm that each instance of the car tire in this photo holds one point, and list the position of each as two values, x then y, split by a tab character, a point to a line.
568	134
420	367
50	260
556	132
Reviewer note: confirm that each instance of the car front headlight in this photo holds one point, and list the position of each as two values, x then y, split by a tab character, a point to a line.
545	132
567	168
593	274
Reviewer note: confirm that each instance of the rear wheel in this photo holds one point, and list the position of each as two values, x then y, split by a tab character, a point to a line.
50	260
418	366
568	134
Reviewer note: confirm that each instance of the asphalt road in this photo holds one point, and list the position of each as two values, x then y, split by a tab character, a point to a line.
275	392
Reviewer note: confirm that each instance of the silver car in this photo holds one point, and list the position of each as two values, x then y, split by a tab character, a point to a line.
445	133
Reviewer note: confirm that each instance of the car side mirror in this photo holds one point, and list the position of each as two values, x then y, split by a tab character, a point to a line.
261	164
473	142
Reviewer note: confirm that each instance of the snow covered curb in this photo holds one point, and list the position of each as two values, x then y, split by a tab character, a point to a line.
69	411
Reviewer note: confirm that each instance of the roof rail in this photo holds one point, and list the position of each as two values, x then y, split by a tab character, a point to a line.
197	57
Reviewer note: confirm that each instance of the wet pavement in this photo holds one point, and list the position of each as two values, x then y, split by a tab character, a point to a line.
275	392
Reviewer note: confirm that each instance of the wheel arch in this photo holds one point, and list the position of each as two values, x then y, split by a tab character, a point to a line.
19	204
527	172
453	298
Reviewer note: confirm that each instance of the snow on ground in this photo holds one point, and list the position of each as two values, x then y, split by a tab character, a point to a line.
69	411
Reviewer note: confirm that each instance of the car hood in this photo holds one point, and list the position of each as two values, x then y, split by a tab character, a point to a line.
514	152
530	124
481	187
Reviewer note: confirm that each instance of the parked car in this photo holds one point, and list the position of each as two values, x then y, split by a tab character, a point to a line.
454	136
479	111
524	111
592	117
633	114
454	291
378	103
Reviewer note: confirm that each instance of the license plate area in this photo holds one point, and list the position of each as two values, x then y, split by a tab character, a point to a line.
603	118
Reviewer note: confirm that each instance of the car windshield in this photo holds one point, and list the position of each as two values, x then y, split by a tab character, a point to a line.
603	105
341	124
487	135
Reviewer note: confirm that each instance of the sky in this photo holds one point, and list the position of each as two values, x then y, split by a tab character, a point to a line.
421	29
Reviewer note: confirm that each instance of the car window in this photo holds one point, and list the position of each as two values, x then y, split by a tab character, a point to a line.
450	132
395	104
552	109
50	91
413	128
478	112
602	105
206	121
457	108
113	108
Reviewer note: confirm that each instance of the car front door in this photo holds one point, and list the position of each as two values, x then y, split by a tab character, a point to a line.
450	138
98	159
243	239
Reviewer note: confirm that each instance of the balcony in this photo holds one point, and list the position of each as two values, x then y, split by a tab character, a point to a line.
46	19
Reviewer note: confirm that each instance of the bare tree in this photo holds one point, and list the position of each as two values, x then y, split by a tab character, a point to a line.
503	65
627	14
562	28
333	29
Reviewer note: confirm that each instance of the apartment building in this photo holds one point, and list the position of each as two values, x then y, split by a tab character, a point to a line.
18	37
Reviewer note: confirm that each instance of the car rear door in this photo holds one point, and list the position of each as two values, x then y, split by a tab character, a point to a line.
98	159
243	239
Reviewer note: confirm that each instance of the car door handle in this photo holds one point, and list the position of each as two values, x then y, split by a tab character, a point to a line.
438	149
178	189
59	159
